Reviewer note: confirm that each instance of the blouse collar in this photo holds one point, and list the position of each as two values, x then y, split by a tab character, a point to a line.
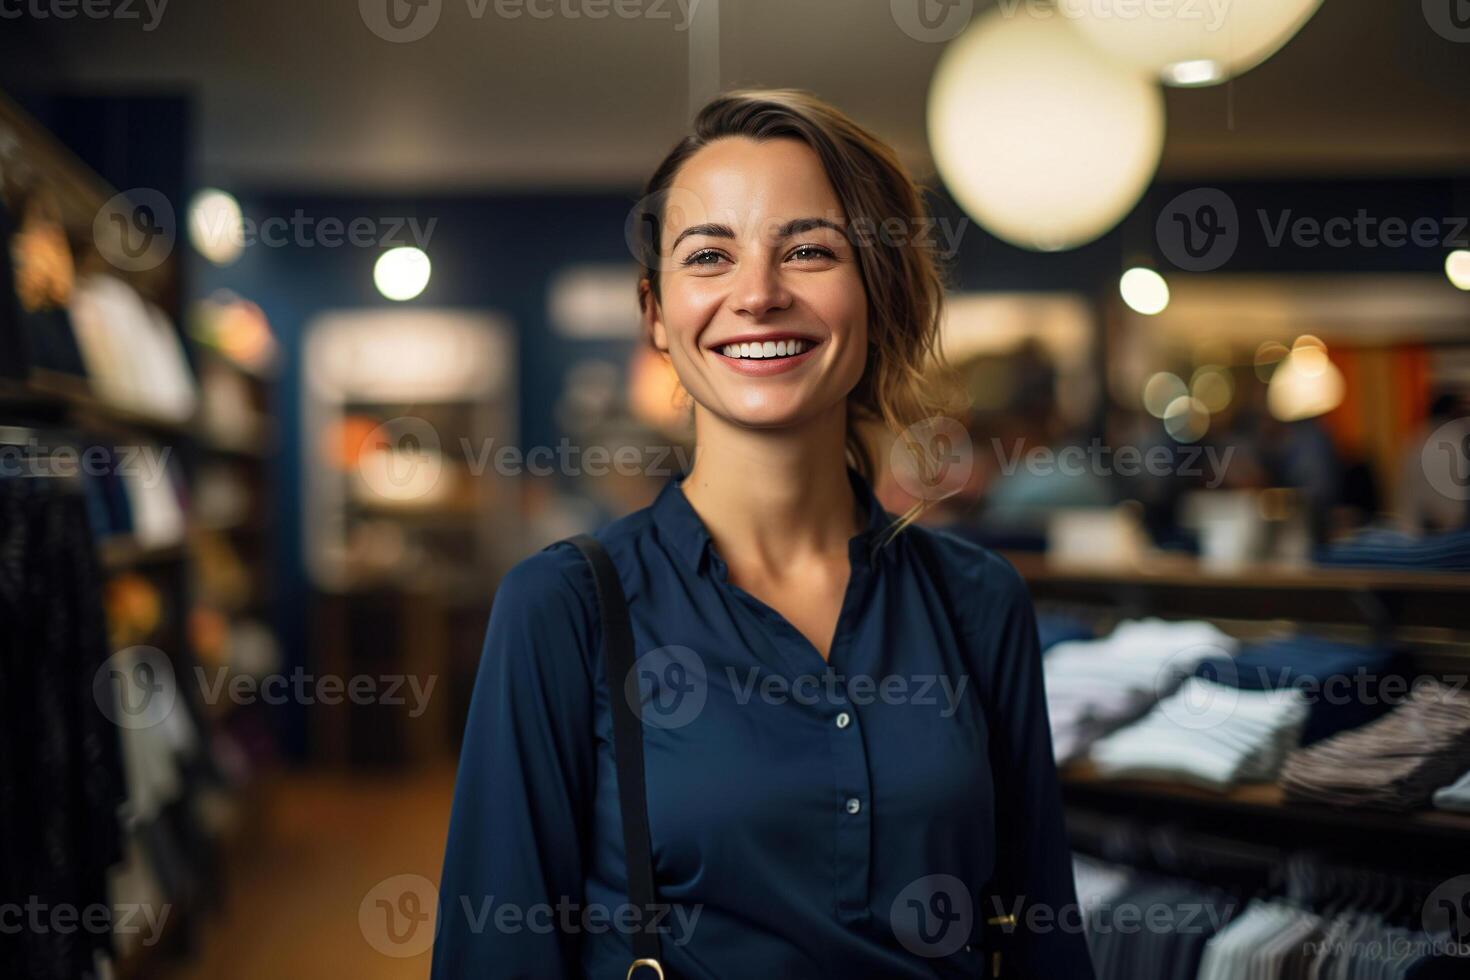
680	527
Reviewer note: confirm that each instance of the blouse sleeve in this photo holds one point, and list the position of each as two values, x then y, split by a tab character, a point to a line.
1048	940
522	801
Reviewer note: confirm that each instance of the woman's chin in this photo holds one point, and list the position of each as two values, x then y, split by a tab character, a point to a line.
763	405
772	416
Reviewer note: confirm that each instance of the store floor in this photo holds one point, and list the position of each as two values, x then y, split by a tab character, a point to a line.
325	841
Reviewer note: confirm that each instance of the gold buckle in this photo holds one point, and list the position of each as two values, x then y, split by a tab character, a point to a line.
998	920
651	964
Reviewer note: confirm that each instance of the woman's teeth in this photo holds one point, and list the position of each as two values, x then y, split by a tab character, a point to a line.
769	348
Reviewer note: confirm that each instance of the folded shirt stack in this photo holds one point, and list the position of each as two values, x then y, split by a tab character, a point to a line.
1383	548
1208	735
1341	680
133	354
1096	686
1394	763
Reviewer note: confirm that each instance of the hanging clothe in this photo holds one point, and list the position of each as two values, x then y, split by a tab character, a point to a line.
61	775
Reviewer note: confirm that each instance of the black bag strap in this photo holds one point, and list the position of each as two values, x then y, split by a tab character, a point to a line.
997	904
627	723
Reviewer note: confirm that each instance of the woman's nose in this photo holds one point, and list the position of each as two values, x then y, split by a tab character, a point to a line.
758	288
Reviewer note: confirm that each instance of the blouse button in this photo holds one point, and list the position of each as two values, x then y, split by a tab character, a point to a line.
854	805
844	719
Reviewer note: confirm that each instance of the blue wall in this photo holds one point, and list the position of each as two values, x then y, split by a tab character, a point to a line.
494	253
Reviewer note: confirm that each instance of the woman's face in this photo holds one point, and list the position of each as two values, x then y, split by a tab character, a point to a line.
763	310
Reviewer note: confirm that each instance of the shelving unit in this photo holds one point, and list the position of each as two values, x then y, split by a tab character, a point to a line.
54	398
1427	838
1427	614
67	409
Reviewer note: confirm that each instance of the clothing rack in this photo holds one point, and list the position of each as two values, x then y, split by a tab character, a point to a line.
46	415
1310	917
1312	879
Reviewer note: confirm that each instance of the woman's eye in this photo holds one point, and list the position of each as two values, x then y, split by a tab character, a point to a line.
699	258
809	252
804	253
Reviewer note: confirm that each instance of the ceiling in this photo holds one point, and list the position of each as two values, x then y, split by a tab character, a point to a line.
302	94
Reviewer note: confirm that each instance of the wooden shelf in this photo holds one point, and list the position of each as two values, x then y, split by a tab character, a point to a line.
74	398
71	402
1189	572
1380	598
244	526
122	552
1081	783
207	351
252	450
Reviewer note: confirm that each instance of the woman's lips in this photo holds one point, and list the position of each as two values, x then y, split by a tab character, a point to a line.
762	367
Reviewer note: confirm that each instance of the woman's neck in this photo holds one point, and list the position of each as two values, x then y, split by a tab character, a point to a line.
770	497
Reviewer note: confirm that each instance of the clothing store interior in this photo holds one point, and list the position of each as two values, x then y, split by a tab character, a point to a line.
316	319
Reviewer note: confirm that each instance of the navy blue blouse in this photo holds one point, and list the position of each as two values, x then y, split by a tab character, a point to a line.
808	818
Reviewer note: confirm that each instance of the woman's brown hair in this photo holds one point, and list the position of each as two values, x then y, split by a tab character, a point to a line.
906	379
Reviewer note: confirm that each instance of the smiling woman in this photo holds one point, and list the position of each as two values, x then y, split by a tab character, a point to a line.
765	198
716	810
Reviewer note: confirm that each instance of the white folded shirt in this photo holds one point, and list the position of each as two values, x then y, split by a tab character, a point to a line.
1207	734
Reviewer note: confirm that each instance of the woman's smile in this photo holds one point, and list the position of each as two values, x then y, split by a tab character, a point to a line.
764	354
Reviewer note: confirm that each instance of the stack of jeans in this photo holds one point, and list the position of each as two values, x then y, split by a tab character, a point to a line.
1342	681
1381	548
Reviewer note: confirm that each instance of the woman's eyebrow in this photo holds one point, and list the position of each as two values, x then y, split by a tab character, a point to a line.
798	225
793	227
713	231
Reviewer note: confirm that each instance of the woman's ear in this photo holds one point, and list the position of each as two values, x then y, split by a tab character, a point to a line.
652	317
